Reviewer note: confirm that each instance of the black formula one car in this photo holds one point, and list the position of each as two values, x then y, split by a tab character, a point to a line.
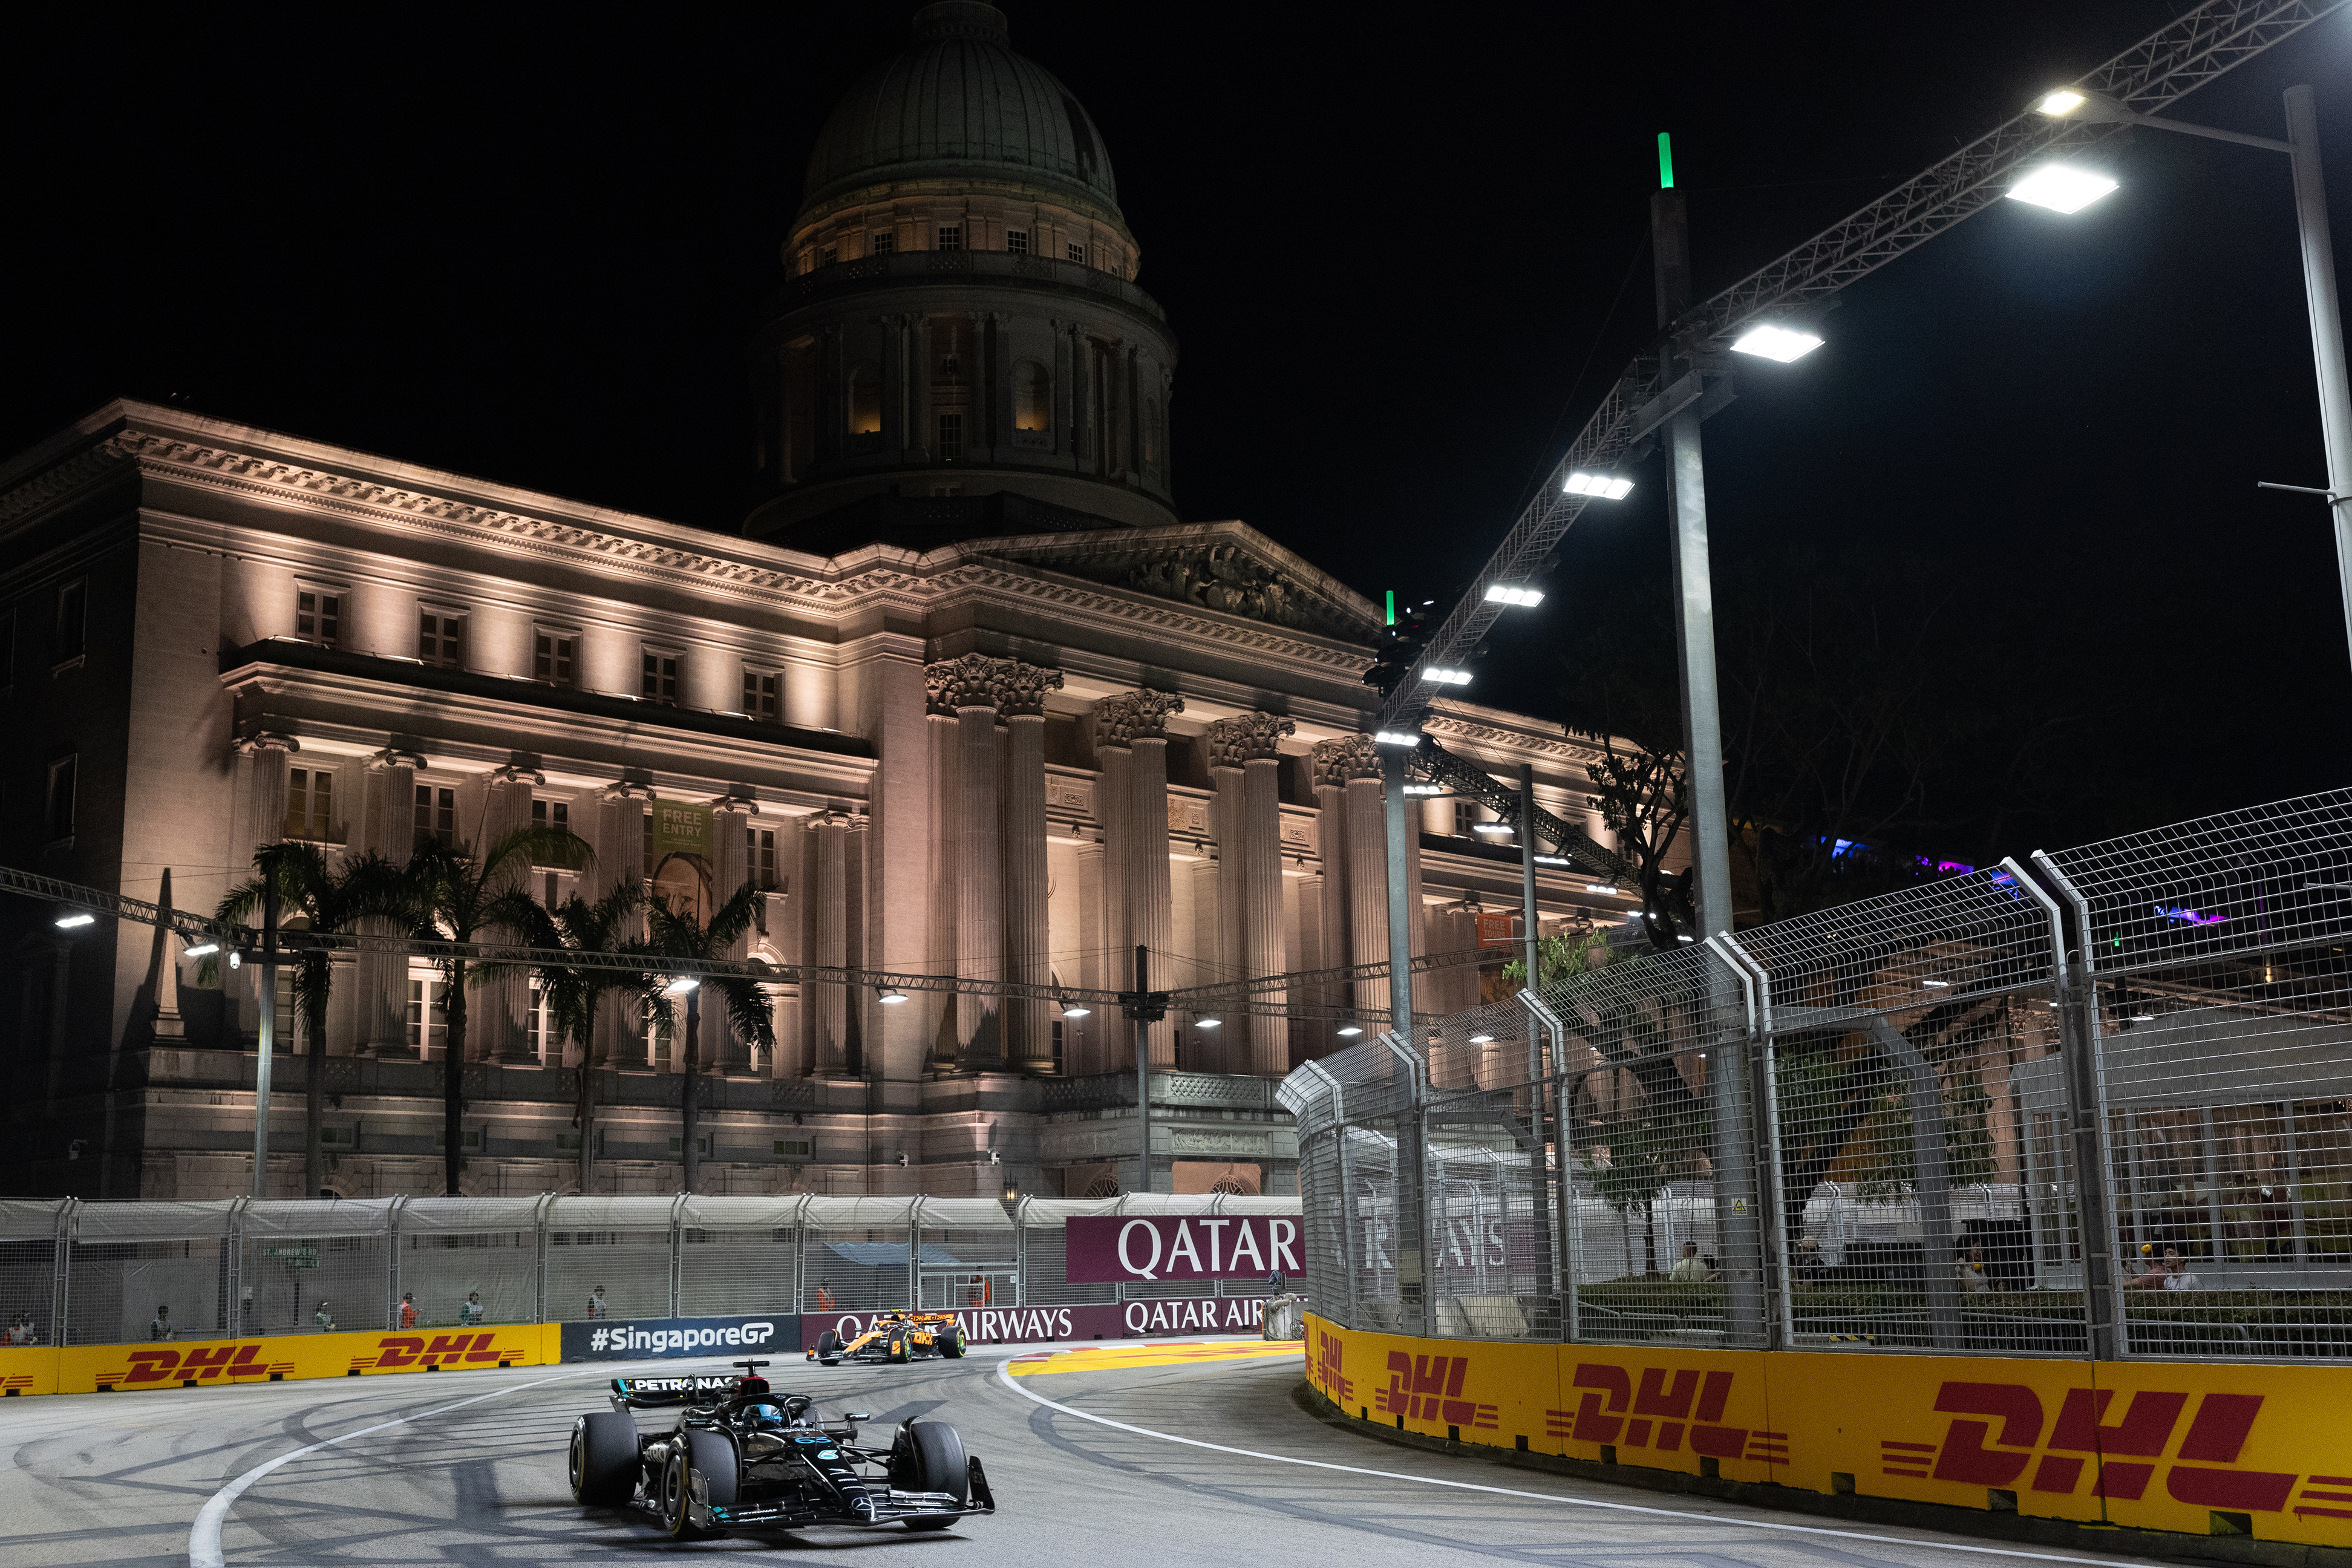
896	1337
743	1458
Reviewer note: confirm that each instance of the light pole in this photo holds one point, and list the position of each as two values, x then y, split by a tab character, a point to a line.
2302	148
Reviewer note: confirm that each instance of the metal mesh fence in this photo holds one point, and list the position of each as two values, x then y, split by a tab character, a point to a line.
121	1272
2104	1107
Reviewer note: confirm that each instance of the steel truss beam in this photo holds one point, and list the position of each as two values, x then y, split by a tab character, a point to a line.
2153	74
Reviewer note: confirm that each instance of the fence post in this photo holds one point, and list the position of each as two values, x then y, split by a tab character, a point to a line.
61	1277
236	1264
1021	1250
1764	1106
1412	1183
1566	1259
676	1247
2086	1111
391	1262
800	1252
1338	1128
539	1257
915	1253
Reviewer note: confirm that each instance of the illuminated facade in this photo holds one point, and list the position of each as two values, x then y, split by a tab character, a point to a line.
1012	731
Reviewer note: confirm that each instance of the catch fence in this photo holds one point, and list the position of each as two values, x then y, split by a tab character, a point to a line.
98	1273
2100	1106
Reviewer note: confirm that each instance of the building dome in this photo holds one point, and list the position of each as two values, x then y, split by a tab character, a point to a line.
961	103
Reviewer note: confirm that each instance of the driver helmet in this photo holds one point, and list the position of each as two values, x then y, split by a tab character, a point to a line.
766	1417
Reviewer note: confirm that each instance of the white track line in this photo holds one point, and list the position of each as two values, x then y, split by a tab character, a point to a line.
205	1539
1004	1375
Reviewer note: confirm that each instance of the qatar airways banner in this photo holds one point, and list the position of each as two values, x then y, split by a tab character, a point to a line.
1113	1249
1093	1320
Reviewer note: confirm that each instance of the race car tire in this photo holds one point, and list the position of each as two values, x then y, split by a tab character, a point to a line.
929	1457
828	1347
951	1344
604	1461
715	1462
897	1350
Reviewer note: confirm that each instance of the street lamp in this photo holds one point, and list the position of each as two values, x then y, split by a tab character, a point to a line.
2302	148
2060	187
67	922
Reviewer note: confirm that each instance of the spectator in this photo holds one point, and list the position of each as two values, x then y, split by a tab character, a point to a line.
2151	1276
1276	1284
596	1307
408	1313
322	1320
2176	1272
825	1296
469	1312
1969	1271
1714	1269
161	1329
1810	1265
1690	1271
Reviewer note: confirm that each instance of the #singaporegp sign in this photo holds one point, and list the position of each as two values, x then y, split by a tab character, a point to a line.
1112	1249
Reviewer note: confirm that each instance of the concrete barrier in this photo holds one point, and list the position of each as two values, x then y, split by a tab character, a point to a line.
2200	1448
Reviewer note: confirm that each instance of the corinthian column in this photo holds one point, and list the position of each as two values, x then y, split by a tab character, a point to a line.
495	1029
825	1004
1021	702
1113	803
730	819
389	828
1251	743
1368	875
970	686
1140	718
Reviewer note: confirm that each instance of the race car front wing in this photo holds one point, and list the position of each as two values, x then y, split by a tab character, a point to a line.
882	1508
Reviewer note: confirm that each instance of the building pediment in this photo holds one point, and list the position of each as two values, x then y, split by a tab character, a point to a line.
1227	567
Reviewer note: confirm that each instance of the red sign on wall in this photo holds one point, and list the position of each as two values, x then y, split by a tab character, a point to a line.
1494	931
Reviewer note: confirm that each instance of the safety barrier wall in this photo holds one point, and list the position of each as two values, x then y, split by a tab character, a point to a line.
272	1358
2202	1448
2098	1109
96	1273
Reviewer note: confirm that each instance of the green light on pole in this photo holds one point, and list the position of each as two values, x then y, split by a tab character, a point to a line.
1392	621
1665	161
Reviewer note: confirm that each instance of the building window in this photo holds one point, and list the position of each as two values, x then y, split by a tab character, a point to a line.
319	616
946	350
828	255
760	857
764	696
1076	253
793	1147
552	654
539	1035
884	242
73	620
429	1020
441	639
551	814
1151	432
1016	240
1464	813
951	236
1058	1044
660	677
950	437
309	804
1033	397
701	1145
646	829
864	399
436	818
469	1139
57	811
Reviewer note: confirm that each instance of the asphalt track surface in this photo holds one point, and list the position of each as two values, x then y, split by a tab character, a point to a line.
1170	1463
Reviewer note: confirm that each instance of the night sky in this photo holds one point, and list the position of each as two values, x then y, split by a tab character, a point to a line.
1389	240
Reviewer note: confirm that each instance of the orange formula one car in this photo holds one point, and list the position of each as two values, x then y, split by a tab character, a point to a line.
895	1338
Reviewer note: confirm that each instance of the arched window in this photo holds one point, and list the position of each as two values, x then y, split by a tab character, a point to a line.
1033	397
1151	432
865	399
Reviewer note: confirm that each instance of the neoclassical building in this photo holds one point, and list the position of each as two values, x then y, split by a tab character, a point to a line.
966	698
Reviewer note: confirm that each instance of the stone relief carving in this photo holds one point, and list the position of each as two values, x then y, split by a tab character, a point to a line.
975	681
1219	577
1247	738
1022	688
1349	757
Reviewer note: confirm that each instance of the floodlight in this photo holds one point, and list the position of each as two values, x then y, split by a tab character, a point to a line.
1600	487
2143	1018
1395	738
1599	887
1077	1012
1782	344
2060	187
210	947
1482	1039
67	922
1939	984
1552	861
1424	789
1206	1023
684	983
2061	103
1447	677
891	998
1510	594
1490	827
1350	1032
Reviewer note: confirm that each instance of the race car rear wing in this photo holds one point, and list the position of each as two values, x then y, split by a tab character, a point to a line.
654	1393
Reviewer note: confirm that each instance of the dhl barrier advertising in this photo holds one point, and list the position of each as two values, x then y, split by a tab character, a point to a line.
28	1369
2201	1448
87	1369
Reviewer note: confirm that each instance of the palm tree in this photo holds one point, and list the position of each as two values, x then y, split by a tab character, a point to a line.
574	991
328	902
674	932
454	895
